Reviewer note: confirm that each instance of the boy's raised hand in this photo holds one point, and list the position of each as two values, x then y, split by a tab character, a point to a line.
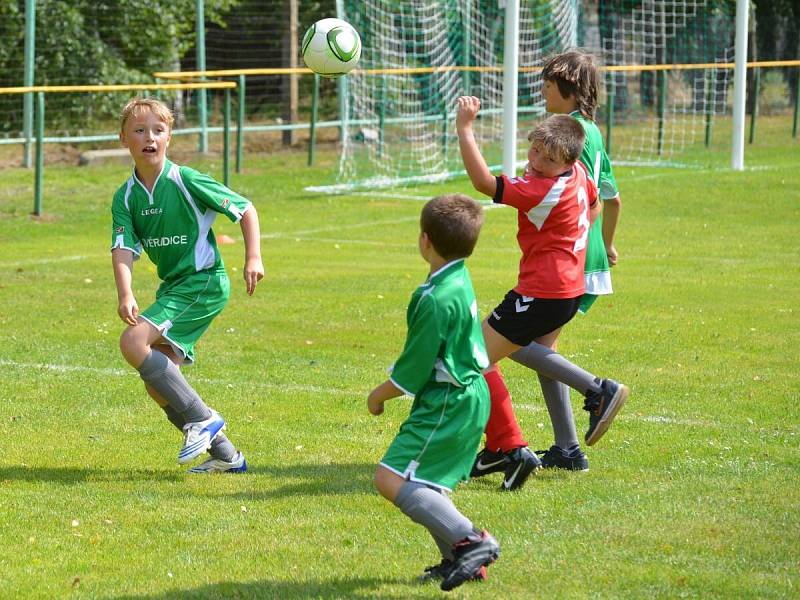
468	107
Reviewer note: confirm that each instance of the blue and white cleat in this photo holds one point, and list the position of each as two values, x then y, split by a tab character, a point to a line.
197	437
216	465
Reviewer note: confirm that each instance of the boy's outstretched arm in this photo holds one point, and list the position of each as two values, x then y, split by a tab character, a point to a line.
477	169
385	391
122	261
611	210
251	231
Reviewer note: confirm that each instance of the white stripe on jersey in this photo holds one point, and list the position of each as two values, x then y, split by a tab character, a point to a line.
203	251
539	213
128	189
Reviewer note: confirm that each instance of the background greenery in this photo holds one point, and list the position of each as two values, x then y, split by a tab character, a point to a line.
694	492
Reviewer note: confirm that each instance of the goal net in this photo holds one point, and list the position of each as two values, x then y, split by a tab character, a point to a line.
420	55
400	120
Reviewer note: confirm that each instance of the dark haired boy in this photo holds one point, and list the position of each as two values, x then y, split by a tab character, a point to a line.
440	367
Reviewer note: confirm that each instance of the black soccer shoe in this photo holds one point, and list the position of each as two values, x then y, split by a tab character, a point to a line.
488	462
603	407
442	570
556	458
521	462
469	558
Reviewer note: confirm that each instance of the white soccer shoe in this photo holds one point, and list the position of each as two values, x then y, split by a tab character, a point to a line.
197	437
215	465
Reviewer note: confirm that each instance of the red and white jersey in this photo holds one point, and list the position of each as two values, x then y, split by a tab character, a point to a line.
553	229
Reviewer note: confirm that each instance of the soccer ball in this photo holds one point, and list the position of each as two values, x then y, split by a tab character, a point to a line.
331	47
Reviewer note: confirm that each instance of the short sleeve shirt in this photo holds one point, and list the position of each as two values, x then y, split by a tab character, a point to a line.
444	343
595	159
173	224
553	220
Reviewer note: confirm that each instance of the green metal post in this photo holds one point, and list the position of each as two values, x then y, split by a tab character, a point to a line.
609	110
28	78
202	107
796	106
662	104
226	137
37	187
754	112
709	99
312	132
240	124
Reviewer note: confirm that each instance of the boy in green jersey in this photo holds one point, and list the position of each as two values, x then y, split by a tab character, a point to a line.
440	367
167	211
570	86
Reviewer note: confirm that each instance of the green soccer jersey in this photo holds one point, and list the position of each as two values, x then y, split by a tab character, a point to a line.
444	342
173	224
595	159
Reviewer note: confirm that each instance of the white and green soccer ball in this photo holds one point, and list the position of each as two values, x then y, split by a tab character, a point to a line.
331	47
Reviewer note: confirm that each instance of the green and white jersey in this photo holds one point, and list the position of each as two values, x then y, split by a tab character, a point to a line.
594	158
444	343
173	224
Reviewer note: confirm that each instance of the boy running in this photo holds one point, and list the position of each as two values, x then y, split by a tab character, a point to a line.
440	367
167	211
553	199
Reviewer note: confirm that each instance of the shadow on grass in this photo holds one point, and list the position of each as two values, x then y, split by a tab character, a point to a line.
312	480
358	587
76	475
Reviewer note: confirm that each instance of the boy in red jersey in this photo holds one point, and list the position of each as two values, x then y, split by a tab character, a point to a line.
557	201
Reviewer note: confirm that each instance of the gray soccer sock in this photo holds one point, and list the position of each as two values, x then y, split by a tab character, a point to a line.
556	397
434	511
221	446
551	364
161	374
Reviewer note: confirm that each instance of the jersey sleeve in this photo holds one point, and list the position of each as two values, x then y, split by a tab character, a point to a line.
521	192
591	187
211	194
415	365
607	184
123	234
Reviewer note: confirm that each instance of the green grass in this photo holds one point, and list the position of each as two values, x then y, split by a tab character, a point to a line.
693	492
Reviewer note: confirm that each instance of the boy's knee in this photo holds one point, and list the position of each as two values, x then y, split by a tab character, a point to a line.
387	483
133	345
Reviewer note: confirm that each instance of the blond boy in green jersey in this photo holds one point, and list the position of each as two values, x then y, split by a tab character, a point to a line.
440	367
167	211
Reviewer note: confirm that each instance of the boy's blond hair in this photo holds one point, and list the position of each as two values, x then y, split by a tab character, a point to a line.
561	138
452	223
575	74
136	105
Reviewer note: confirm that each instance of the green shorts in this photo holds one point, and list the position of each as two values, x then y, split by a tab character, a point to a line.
183	310
586	303
437	443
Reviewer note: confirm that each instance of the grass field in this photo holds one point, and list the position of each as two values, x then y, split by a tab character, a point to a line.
694	492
